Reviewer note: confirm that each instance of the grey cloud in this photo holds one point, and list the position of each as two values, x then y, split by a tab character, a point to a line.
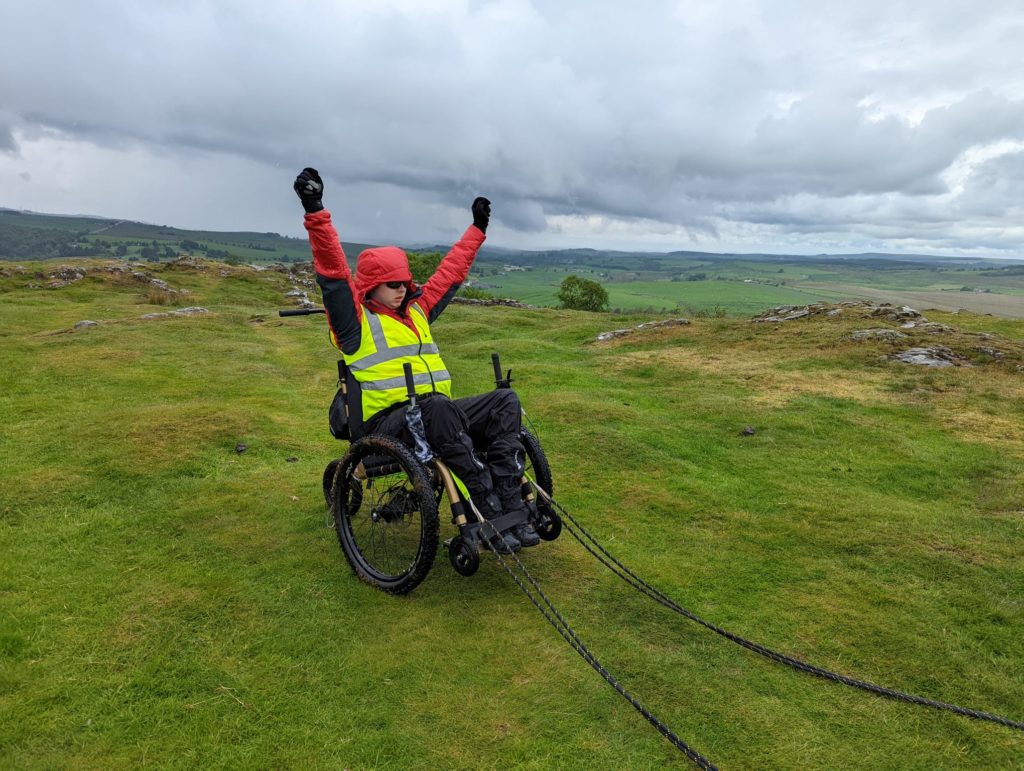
701	118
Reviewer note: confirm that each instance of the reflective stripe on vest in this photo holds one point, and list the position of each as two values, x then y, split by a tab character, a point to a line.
385	345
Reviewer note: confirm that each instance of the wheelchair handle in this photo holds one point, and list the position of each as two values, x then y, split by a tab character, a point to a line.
300	311
410	383
499	381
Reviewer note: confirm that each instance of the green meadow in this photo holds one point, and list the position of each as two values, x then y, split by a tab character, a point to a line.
168	601
743	287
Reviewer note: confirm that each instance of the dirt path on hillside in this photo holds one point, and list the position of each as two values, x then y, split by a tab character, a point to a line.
1008	306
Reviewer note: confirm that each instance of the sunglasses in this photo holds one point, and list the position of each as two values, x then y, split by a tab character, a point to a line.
394	284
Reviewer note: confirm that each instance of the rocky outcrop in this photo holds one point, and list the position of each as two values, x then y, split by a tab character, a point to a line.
853	308
641	327
503	301
932	356
180	312
64	276
882	333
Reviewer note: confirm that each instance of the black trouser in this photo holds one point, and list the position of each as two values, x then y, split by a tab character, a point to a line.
488	423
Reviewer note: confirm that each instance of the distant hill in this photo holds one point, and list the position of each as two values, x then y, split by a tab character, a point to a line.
29	235
26	235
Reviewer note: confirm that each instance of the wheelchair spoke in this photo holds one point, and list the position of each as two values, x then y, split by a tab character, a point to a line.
386	528
387	522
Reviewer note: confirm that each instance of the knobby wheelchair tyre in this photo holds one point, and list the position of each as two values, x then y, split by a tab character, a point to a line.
387	524
548	524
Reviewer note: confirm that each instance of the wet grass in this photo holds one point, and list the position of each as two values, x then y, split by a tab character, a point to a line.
165	600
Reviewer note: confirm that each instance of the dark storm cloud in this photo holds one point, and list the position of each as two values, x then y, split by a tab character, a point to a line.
701	117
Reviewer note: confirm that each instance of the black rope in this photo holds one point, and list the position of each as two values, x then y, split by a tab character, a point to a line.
609	561
562	627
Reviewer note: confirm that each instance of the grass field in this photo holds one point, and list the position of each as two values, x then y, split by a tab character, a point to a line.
167	601
743	287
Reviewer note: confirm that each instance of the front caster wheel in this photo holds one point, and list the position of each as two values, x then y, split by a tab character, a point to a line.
464	558
548	524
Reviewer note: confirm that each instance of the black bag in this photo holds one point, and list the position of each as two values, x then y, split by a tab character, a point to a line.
337	418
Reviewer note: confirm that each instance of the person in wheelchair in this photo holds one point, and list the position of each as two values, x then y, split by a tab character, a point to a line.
380	319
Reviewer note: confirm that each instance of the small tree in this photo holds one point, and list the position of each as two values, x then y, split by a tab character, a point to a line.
581	294
423	264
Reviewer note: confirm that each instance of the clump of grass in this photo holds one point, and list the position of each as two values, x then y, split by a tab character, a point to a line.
156	296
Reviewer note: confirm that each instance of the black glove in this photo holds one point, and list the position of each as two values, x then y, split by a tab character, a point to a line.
310	189
481	213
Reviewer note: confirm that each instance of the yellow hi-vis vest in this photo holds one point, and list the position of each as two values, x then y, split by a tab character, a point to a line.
385	345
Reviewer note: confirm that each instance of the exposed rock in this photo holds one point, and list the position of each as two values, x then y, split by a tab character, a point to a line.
855	308
990	352
903	313
85	323
187	262
748	431
882	333
180	312
792	312
648	325
292	459
240	448
933	356
65	275
503	301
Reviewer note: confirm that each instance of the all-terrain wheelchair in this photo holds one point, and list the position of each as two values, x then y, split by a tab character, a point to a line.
385	497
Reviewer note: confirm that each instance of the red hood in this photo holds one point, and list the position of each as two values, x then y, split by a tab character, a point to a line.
379	265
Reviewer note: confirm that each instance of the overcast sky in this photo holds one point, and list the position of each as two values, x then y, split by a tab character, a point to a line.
747	125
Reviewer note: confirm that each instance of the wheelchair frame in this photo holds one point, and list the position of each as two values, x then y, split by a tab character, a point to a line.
372	458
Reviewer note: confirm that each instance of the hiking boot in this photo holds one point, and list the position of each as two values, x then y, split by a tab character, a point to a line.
510	493
502	543
525	534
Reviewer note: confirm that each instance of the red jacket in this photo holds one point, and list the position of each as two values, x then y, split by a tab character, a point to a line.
345	297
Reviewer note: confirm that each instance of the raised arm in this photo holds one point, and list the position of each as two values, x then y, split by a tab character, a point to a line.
451	273
332	272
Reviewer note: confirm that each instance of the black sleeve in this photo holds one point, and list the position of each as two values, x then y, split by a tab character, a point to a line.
341	312
442	303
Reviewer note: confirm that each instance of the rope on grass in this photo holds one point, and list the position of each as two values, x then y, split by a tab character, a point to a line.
562	627
613	564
